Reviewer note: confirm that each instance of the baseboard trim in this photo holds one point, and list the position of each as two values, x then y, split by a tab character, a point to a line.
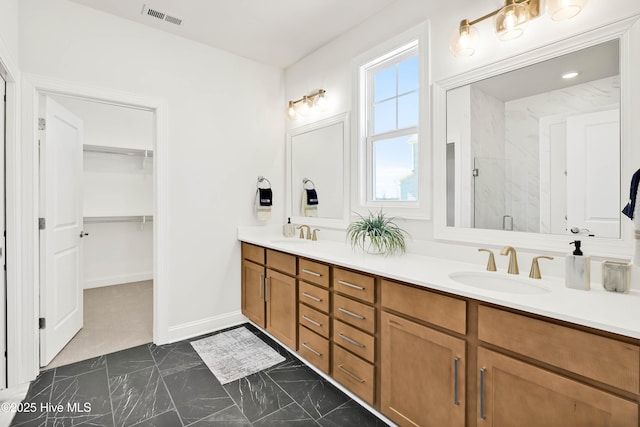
204	326
117	280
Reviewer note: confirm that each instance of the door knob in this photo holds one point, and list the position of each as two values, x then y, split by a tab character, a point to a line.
82	234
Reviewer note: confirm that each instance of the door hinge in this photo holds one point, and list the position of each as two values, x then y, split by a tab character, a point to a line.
42	323
42	124
42	223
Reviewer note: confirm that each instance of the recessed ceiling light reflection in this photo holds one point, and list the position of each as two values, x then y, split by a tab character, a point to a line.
570	75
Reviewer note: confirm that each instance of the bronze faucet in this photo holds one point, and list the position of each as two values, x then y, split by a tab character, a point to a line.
513	260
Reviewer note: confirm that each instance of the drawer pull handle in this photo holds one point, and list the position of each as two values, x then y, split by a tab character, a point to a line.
351	285
313	273
261	286
456	400
317	353
350	341
311	297
360	380
351	313
482	414
266	288
310	320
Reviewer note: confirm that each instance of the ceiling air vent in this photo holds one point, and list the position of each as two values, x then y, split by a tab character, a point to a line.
160	15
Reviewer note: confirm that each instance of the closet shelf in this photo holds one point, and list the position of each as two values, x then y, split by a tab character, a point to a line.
117	218
118	150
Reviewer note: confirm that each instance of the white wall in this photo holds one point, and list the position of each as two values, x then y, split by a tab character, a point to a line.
331	66
226	128
9	28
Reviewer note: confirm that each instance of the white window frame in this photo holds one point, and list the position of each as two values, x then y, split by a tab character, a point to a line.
396	49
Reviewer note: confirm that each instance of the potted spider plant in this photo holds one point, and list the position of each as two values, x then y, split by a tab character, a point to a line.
377	233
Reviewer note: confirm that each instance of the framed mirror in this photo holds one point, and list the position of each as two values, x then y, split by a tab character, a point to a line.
317	180
532	155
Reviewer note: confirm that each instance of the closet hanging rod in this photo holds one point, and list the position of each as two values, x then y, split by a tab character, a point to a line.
117	150
109	219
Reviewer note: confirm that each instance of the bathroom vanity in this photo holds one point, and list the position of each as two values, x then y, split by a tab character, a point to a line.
425	350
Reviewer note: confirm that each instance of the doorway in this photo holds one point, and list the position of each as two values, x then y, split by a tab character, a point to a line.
96	292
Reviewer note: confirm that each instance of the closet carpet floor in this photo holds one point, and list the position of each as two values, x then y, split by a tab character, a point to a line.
115	317
170	386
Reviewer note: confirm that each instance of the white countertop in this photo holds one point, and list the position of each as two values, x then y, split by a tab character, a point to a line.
597	308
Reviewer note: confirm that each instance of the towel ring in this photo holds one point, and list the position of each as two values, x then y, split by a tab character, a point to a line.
306	181
261	179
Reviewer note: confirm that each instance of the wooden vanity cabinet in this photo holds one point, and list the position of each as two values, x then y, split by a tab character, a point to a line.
423	370
269	291
515	393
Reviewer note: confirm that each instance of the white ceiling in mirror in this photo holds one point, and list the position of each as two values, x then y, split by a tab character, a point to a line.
274	32
592	63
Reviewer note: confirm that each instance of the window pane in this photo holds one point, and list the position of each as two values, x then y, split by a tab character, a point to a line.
384	116
408	110
408	75
384	84
395	162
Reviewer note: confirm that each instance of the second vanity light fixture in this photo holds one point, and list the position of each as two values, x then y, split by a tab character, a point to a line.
511	21
306	105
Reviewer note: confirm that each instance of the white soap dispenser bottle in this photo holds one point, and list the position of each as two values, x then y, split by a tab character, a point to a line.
288	230
578	270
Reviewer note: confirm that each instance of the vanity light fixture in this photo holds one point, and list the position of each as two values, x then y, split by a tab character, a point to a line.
306	104
511	21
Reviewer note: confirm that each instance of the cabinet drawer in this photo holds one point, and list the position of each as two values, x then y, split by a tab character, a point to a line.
314	272
441	310
354	373
354	313
253	253
281	262
356	285
354	340
314	348
314	296
603	359
314	320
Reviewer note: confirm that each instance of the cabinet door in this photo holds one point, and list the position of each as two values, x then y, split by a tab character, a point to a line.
282	318
253	292
422	374
515	393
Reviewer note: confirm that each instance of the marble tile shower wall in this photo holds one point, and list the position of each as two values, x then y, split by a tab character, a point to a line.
170	386
522	146
487	155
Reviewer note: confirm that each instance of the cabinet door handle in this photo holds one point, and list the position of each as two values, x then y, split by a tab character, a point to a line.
350	341
313	273
360	380
261	286
311	297
351	313
456	362
317	353
482	414
351	285
313	322
266	289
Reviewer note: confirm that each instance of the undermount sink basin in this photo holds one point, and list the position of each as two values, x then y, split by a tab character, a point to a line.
497	282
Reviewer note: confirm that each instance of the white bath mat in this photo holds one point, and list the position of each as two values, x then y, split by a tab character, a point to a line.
235	354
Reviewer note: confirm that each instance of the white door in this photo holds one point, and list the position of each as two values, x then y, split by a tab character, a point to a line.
593	173
60	240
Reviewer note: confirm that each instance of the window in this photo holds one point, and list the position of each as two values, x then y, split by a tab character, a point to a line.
390	116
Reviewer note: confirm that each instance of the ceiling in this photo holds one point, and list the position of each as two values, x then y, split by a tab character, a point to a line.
592	63
274	32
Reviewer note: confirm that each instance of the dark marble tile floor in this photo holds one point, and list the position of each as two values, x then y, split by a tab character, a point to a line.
170	386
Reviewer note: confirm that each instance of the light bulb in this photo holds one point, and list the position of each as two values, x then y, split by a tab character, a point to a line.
291	111
464	39
319	102
510	20
304	106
